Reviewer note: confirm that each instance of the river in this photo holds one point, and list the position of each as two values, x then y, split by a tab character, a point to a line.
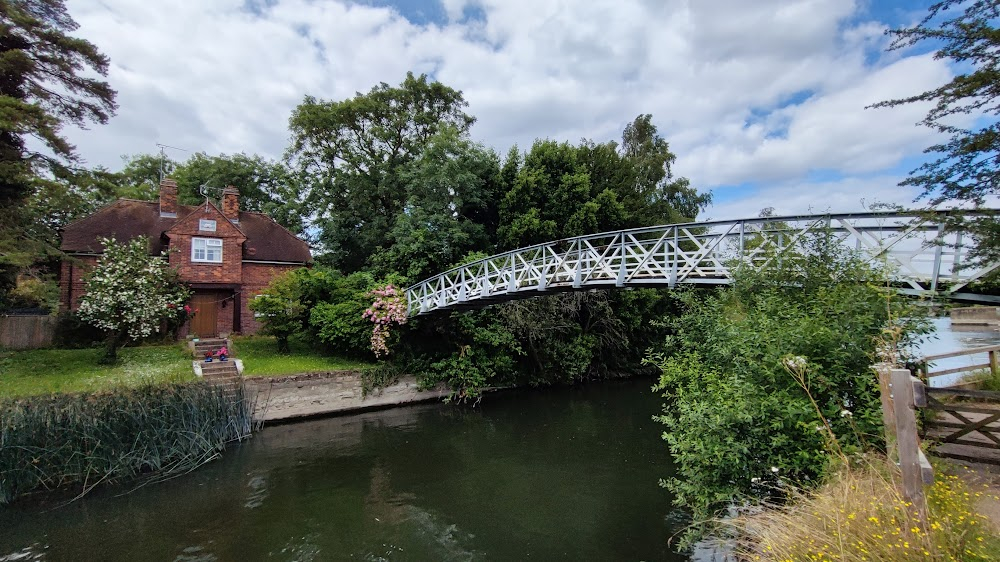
552	474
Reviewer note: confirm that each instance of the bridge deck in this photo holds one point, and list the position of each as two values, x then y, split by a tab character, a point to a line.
925	254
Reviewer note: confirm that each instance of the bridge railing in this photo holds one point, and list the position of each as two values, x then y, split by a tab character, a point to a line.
918	246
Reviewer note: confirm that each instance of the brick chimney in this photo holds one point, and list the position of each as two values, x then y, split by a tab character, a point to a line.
231	204
168	198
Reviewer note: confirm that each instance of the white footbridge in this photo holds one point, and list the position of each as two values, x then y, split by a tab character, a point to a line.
924	253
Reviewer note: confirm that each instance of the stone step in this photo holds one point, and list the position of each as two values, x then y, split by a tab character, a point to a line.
216	366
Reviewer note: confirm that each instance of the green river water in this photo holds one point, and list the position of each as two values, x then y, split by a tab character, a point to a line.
556	474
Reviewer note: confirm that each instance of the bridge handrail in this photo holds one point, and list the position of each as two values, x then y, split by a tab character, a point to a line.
708	224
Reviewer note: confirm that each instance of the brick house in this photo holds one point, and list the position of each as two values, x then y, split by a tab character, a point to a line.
226	255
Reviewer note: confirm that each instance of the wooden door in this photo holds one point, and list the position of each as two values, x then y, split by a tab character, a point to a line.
205	322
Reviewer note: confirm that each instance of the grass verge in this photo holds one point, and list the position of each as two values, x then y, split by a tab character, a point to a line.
261	358
860	515
46	371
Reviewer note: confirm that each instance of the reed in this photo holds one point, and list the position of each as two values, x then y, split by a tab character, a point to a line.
82	440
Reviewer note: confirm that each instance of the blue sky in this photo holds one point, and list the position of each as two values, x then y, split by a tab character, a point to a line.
763	102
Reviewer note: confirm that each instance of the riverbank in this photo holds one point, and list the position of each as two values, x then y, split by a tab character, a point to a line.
306	395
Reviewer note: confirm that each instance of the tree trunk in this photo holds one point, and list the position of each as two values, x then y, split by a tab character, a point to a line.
114	341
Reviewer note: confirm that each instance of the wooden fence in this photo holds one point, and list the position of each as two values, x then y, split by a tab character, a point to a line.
993	364
26	331
965	424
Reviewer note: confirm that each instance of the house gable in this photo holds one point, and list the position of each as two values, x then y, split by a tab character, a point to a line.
191	232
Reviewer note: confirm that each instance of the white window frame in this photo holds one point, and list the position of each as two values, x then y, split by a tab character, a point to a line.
206	250
206	225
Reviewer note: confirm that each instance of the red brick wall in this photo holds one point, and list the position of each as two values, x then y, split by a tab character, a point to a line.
229	271
71	281
256	276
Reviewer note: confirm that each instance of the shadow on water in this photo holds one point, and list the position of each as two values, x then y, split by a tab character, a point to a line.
537	474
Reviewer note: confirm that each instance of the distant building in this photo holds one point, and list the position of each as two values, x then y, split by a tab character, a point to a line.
225	255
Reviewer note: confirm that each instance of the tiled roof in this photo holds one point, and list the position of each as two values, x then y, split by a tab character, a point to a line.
127	218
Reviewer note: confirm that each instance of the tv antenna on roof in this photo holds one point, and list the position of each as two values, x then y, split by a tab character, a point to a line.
163	156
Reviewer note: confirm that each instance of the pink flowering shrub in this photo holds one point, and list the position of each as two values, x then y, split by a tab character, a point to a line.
388	310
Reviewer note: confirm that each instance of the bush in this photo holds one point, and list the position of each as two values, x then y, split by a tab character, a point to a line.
736	416
73	333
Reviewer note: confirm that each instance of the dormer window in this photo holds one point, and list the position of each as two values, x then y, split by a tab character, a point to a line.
206	225
206	250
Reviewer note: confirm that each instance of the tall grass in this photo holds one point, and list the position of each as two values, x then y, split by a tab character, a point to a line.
85	439
860	515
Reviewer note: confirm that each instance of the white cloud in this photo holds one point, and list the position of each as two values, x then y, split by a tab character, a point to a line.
718	77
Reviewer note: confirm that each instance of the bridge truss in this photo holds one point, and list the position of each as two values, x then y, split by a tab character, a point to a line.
923	252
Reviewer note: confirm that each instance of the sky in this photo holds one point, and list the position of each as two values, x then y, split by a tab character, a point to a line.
763	102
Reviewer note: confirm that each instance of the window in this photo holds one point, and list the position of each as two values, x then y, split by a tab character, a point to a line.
206	225
206	250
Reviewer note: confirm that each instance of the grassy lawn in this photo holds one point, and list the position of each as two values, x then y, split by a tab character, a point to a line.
261	358
44	371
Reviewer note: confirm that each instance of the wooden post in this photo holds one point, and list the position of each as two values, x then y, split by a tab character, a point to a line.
907	442
888	413
994	368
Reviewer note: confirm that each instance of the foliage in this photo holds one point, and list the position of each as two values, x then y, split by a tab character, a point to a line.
859	514
279	308
451	207
964	168
735	413
35	291
130	293
50	79
45	371
561	190
85	439
337	320
352	155
387	310
374	379
265	186
481	355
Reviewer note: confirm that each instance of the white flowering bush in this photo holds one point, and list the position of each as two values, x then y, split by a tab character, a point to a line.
130	293
388	310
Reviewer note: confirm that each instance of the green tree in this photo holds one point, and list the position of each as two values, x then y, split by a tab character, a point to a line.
47	80
966	167
140	175
562	190
265	186
280	308
451	211
350	156
130	294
